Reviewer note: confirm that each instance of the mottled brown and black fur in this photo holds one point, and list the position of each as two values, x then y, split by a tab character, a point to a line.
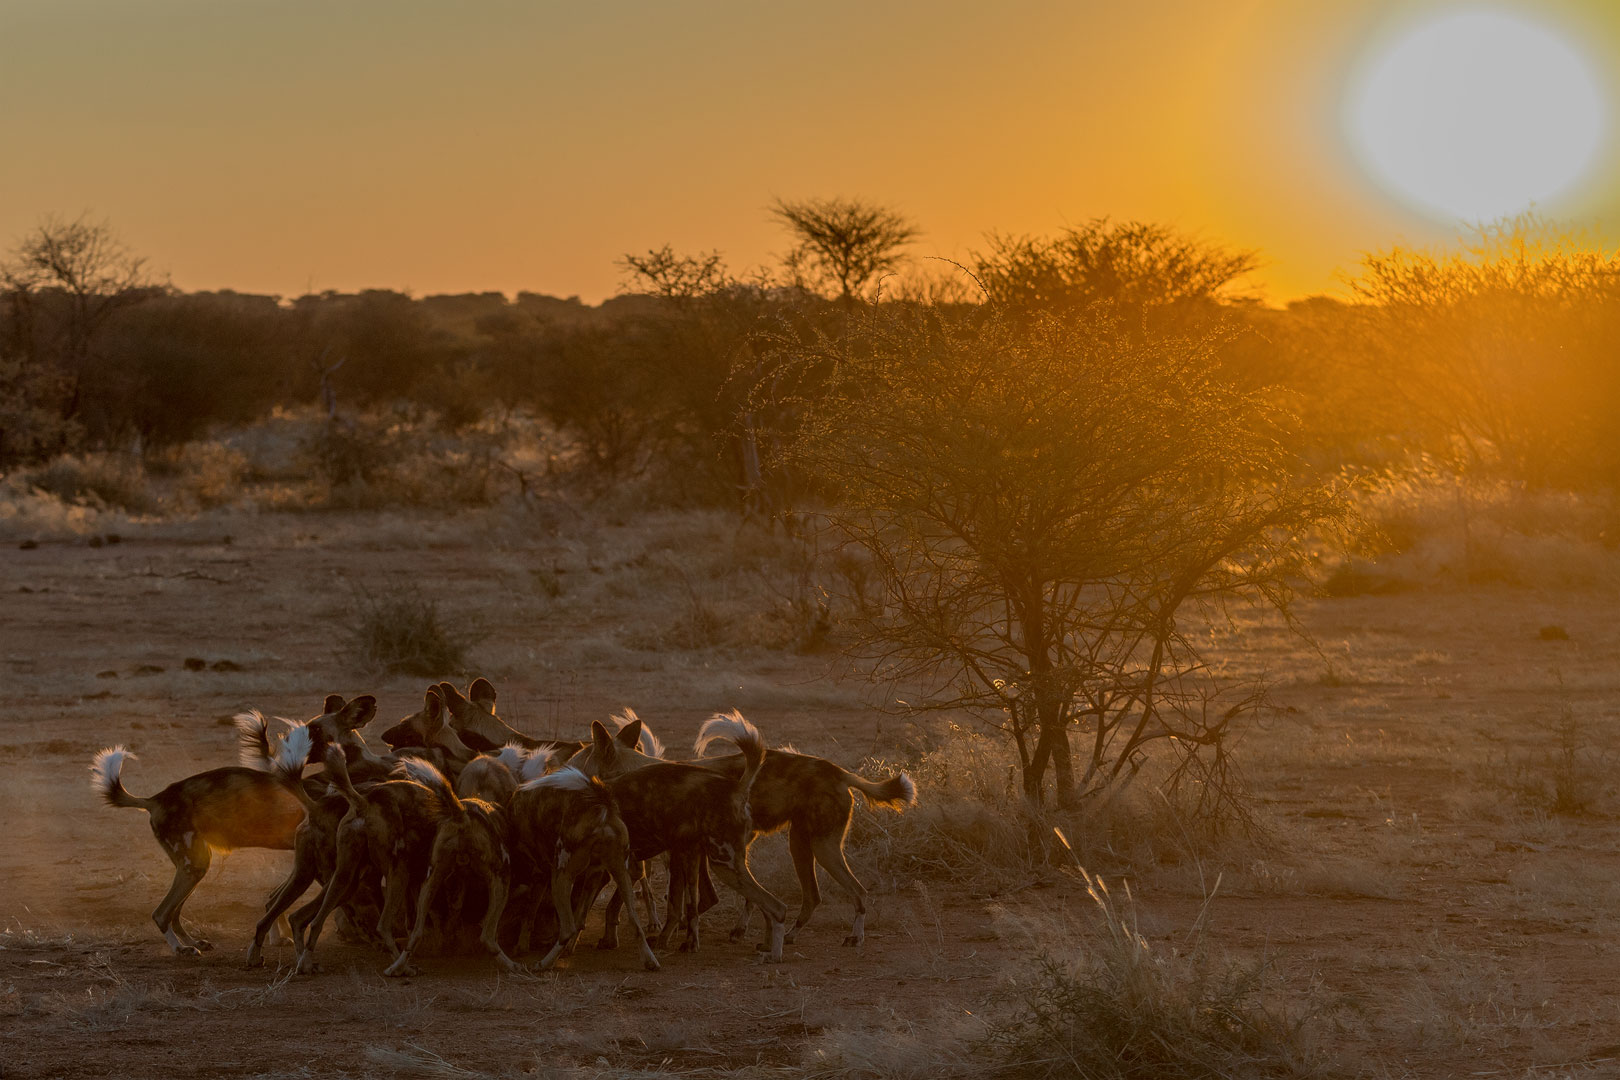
813	798
425	733
473	719
472	841
695	814
574	839
388	833
217	810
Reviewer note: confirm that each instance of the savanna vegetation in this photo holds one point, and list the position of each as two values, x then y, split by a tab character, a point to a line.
1025	500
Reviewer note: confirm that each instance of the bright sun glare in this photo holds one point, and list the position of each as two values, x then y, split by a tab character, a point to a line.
1475	115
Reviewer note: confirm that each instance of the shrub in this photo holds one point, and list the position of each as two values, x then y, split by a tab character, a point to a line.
400	631
99	480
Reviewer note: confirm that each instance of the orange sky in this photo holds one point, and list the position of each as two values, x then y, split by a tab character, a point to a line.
282	145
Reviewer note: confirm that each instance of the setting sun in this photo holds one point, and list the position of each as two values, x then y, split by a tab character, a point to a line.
1477	114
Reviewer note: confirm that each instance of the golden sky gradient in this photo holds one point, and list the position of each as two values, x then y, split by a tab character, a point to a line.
444	147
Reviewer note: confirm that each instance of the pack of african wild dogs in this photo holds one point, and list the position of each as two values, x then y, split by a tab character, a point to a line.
465	829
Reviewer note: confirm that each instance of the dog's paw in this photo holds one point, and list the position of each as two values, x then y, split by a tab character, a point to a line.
203	944
187	950
853	940
397	970
255	959
737	934
651	963
608	942
787	938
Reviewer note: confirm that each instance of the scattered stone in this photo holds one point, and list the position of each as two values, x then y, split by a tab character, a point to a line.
147	669
196	663
227	540
96	541
99	695
28	545
1554	633
106	674
24	588
114	538
227	665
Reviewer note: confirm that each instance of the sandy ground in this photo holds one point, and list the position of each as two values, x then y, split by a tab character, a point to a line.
1415	889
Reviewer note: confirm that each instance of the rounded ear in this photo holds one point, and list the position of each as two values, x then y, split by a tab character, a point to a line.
452	697
432	704
630	734
334	704
432	723
358	713
483	692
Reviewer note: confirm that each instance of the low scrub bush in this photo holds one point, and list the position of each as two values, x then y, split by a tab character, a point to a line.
401	631
115	481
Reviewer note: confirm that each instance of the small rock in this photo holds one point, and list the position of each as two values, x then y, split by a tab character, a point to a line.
114	538
24	588
227	539
227	665
196	663
147	669
28	545
99	695
106	674
96	541
1554	633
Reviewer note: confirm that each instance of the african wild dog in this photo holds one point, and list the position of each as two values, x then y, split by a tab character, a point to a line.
472	841
573	834
696	814
814	799
220	809
474	720
388	832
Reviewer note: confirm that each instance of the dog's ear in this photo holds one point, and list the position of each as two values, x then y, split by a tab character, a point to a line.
630	734
334	704
357	713
482	691
452	698
603	746
432	717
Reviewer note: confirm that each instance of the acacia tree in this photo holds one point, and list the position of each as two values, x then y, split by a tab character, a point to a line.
1045	502
842	245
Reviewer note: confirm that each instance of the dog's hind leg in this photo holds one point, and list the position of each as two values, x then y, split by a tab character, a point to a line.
191	858
490	935
424	902
394	899
804	864
562	900
621	880
287	894
830	854
740	877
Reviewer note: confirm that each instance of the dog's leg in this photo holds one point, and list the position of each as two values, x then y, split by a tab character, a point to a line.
804	864
191	858
677	913
303	873
621	880
741	878
830	854
393	904
562	899
610	928
424	901
492	922
351	861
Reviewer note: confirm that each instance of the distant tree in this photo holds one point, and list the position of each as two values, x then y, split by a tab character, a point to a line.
1045	503
842	245
64	284
1134	268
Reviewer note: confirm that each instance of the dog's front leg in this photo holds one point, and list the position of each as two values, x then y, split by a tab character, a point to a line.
562	900
402	963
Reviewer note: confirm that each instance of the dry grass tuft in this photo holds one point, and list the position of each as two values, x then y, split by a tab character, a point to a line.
401	632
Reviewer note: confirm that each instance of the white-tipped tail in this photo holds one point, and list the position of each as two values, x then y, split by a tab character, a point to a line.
730	725
512	755
536	763
648	743
566	778
293	754
253	740
106	777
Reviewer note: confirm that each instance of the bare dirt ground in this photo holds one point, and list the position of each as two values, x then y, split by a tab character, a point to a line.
1415	888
